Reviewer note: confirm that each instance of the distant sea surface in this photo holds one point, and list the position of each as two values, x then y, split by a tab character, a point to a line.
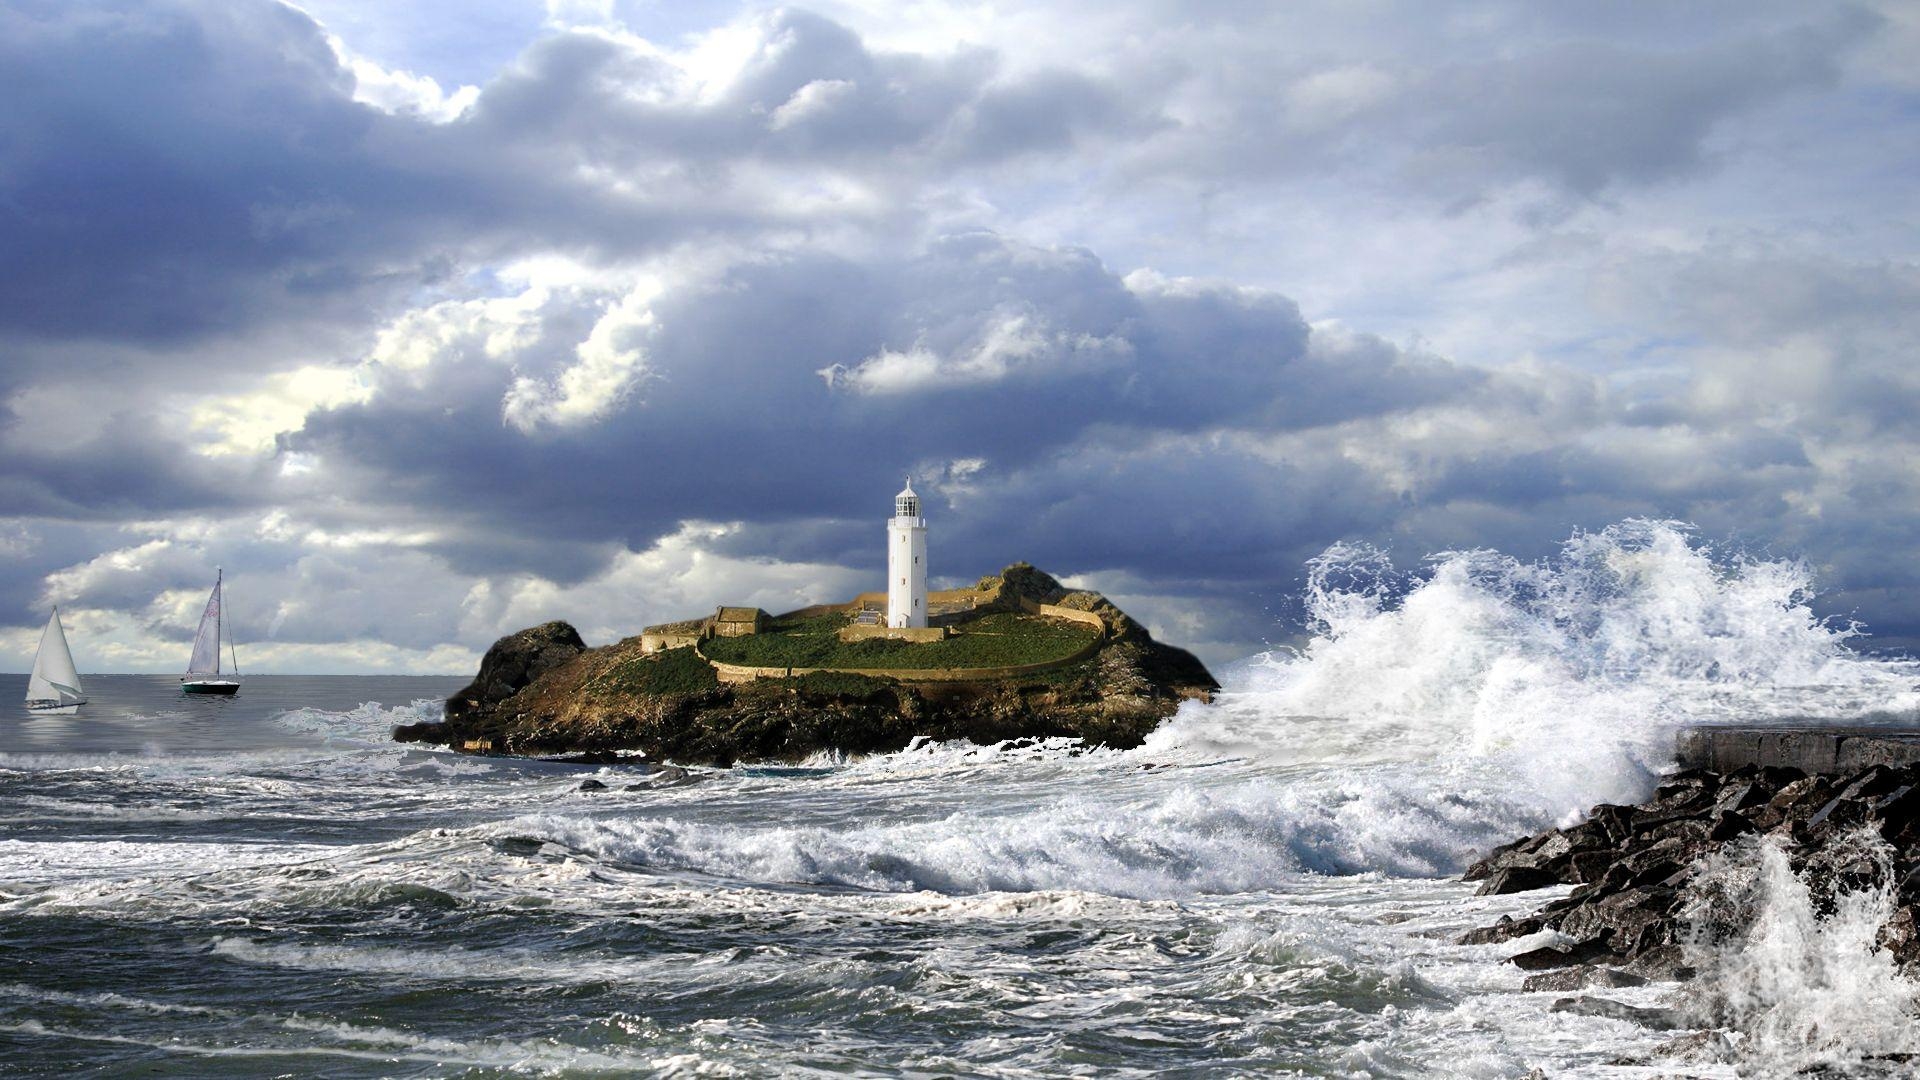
268	886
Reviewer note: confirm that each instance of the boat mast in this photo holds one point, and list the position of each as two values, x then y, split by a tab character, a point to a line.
232	649
219	616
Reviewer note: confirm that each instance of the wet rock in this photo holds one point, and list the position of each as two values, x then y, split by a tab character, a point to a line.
1657	1019
1744	795
1661	963
1586	867
1515	879
1618	918
1548	957
431	732
1699	1048
1614	822
1581	977
1801	799
1728	824
1506	929
1895	1066
591	784
1500	857
1634	867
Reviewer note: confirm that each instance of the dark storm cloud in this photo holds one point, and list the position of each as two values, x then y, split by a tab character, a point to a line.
175	169
1098	371
169	170
118	475
775	299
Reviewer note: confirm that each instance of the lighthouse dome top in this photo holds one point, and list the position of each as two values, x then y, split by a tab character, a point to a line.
907	503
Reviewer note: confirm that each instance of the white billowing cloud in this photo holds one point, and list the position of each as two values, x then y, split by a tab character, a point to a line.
249	422
814	99
493	327
56	416
575	340
607	367
406	93
117	572
401	92
304	597
1011	343
575	13
17	540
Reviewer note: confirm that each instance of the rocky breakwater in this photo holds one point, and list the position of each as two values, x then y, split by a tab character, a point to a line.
1666	889
541	692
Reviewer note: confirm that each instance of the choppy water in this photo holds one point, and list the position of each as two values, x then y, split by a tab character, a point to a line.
267	887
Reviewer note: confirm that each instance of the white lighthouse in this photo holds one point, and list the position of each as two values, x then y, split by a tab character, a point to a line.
907	561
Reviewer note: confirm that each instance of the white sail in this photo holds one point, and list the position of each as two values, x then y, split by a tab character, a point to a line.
206	643
54	678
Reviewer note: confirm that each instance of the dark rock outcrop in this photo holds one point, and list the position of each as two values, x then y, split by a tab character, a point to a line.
513	663
542	692
1637	868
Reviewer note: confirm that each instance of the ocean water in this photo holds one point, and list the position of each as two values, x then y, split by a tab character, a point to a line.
268	887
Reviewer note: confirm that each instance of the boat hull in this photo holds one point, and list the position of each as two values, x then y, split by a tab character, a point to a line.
54	709
220	689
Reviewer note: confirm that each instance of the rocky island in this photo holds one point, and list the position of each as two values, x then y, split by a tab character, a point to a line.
1017	655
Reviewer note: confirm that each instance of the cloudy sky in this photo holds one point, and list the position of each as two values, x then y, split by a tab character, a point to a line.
431	320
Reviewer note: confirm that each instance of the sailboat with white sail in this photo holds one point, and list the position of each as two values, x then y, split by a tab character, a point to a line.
54	686
203	667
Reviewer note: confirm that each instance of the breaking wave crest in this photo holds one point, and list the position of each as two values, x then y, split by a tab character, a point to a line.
1566	679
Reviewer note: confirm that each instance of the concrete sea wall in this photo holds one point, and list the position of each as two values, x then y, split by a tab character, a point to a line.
1810	748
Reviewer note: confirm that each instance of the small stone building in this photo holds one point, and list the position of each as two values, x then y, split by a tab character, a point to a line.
738	621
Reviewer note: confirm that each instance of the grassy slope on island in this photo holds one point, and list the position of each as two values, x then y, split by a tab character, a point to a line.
1004	639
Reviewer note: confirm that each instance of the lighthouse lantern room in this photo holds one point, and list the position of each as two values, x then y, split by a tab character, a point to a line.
907	561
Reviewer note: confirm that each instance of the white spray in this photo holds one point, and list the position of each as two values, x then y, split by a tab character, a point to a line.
1570	677
1804	988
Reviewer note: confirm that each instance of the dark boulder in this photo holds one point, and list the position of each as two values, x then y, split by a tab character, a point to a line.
430	732
1515	879
515	661
1556	956
1586	867
1727	825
